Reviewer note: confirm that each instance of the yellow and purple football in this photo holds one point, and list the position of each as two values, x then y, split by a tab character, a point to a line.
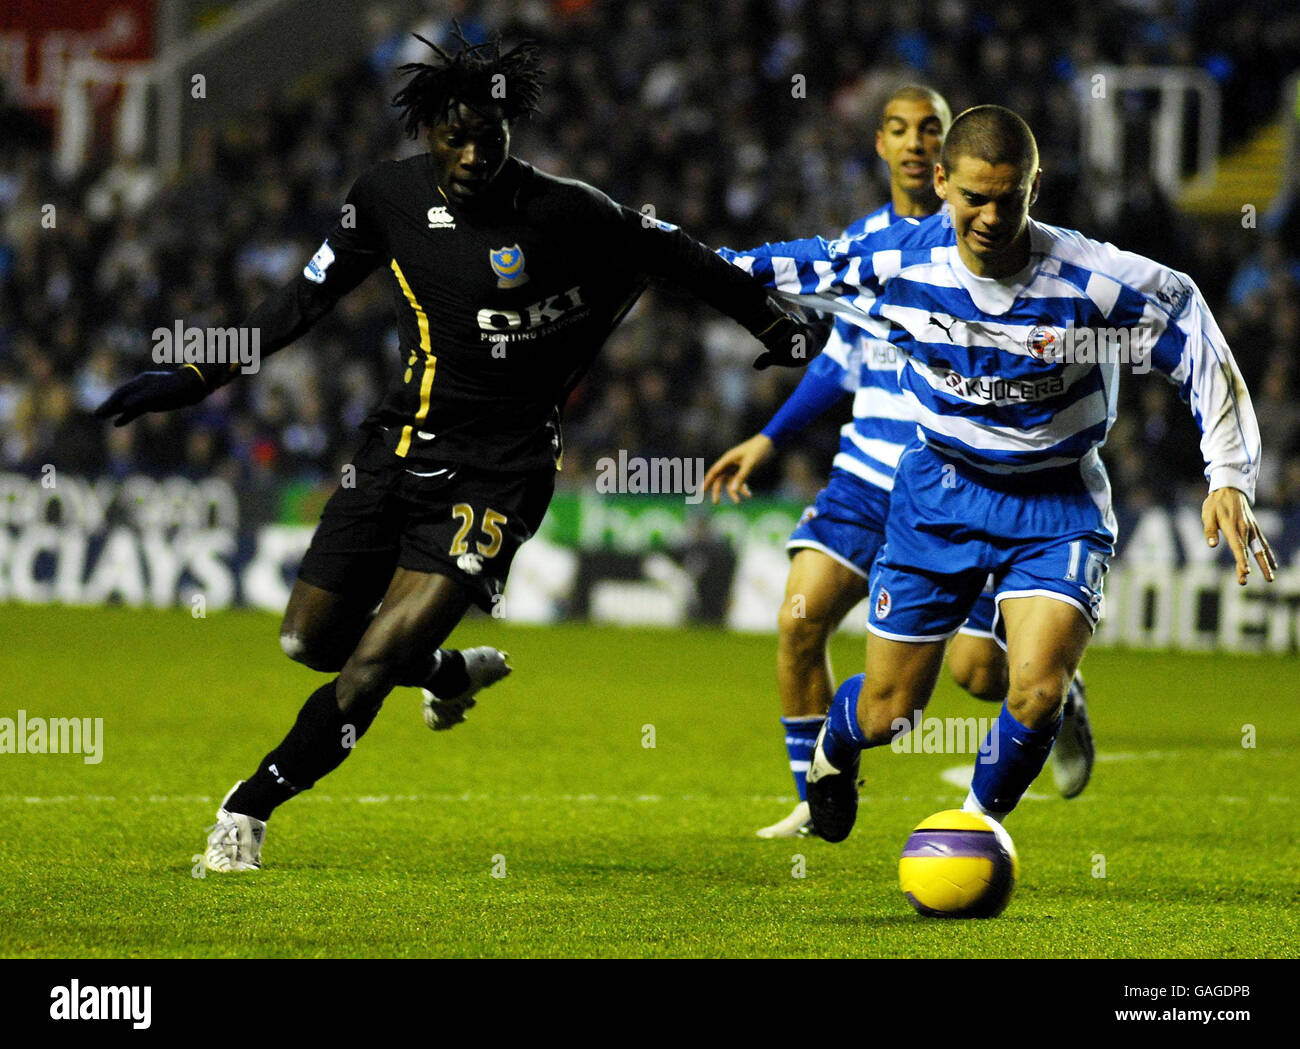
958	865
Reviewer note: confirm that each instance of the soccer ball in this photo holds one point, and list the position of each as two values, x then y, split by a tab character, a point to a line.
958	865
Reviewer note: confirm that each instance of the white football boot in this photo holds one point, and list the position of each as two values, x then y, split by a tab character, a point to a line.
1073	755
485	666
796	825
235	843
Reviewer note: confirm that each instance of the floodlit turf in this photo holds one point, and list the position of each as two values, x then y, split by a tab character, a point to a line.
609	847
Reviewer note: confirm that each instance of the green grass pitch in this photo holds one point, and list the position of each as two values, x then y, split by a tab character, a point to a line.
609	847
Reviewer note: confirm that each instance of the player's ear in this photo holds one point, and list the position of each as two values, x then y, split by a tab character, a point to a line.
1033	191
880	144
940	181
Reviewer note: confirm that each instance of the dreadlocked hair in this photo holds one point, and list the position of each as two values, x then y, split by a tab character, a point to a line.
470	75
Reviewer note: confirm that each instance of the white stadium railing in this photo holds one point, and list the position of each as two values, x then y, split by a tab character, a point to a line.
258	46
1102	93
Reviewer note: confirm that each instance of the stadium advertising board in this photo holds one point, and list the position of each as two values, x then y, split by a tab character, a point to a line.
632	560
39	38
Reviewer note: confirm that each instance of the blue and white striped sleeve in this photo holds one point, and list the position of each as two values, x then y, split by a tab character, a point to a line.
829	276
814	266
1187	347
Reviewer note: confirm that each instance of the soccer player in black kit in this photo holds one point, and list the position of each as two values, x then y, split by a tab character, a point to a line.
506	282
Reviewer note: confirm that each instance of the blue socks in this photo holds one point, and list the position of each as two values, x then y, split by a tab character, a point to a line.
844	738
1011	758
800	735
1019	754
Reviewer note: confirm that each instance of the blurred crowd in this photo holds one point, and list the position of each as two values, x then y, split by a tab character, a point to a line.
690	108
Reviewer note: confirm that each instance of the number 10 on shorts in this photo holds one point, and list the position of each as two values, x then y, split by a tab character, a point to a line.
1094	567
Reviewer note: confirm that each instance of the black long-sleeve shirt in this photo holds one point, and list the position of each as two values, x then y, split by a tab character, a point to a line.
501	305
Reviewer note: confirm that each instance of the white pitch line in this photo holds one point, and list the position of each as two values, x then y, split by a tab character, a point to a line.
1150	755
382	799
550	799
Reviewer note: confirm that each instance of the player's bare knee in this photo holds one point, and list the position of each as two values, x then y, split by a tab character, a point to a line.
981	681
293	646
300	650
802	633
1037	702
961	671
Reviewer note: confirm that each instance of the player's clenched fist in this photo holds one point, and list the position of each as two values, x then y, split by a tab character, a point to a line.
790	343
735	465
159	391
1228	510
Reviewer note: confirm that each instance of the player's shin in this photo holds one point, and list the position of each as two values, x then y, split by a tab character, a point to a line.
1010	758
833	772
321	739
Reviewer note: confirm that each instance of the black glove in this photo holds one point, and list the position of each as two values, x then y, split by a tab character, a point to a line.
153	392
791	342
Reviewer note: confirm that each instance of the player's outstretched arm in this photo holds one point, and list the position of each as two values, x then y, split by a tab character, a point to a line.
354	248
1227	510
812	267
281	318
662	250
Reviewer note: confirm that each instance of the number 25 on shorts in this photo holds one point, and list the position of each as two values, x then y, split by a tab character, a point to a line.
490	527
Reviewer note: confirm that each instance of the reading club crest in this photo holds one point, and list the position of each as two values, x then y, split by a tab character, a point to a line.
508	265
1043	345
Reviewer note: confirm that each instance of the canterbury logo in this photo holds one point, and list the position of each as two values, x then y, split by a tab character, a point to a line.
440	218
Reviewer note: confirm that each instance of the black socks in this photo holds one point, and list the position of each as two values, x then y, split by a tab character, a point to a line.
323	737
320	740
450	678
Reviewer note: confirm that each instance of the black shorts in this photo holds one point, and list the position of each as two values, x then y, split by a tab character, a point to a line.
448	519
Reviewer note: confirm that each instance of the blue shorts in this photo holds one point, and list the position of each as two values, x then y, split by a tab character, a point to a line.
846	523
980	621
1049	533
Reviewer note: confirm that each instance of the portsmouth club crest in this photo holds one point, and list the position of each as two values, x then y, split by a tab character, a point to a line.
508	265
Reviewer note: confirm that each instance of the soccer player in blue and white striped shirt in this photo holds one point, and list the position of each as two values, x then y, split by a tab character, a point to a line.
838	537
1012	334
